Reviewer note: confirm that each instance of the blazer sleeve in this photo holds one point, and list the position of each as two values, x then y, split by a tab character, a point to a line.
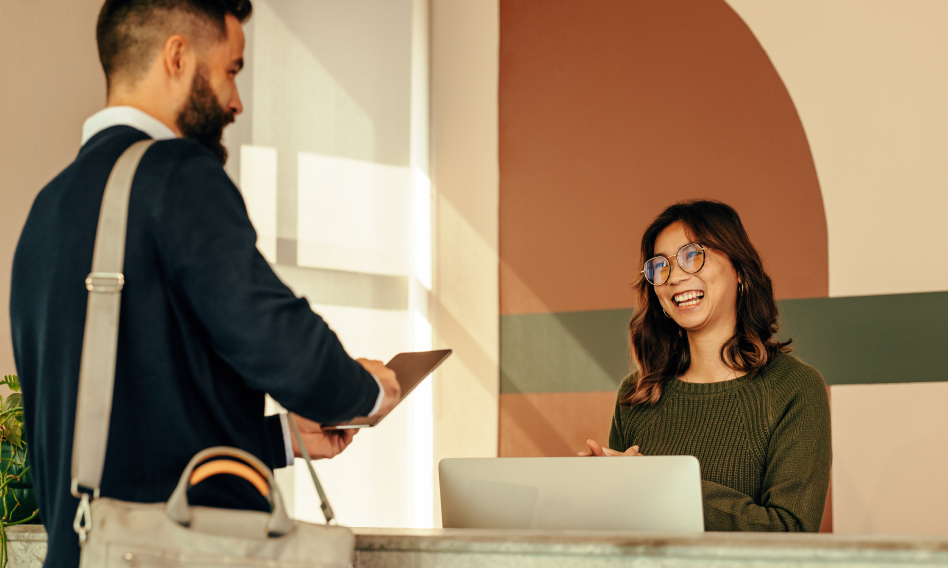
276	441
254	322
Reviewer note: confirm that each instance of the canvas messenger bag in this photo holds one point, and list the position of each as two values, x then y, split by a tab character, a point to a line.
116	533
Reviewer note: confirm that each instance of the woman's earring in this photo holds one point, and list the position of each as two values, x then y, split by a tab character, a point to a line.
740	288
666	314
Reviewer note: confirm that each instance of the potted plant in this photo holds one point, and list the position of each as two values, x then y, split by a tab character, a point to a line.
16	484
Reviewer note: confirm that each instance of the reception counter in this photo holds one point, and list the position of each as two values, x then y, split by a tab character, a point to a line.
402	548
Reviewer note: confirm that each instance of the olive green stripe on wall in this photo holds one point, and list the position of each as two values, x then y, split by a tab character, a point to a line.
564	352
857	340
901	338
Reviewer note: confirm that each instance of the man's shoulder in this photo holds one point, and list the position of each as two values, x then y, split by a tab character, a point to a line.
180	159
180	167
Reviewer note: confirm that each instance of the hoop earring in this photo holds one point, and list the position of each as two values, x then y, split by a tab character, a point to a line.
666	314
740	288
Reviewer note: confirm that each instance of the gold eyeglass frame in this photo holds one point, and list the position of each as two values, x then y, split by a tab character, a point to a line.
704	258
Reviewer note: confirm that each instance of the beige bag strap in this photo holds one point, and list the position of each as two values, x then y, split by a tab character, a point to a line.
100	339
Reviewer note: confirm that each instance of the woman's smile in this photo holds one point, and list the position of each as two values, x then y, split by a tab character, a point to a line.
688	299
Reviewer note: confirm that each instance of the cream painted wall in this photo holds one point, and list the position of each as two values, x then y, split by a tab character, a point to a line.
465	40
51	82
870	79
889	459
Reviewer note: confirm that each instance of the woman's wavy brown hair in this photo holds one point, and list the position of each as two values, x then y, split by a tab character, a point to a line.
658	348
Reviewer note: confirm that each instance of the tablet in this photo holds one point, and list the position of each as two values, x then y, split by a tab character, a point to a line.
410	369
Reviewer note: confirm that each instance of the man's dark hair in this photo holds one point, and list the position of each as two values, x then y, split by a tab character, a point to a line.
129	32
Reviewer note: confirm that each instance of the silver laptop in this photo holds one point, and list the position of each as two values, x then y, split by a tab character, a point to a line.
643	493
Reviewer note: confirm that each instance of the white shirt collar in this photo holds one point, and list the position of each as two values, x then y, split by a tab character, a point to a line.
125	116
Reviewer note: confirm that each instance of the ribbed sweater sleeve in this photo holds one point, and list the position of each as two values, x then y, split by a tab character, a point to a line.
616	439
797	468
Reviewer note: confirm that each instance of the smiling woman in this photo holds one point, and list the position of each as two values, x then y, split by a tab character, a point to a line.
713	382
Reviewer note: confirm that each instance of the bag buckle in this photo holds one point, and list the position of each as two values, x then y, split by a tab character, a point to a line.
74	489
113	282
83	523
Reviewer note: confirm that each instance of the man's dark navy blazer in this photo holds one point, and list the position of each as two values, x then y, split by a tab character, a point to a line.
206	329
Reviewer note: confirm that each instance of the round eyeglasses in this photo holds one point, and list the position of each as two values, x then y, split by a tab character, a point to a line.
690	258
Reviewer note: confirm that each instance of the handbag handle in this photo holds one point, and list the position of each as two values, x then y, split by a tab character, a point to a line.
238	469
179	510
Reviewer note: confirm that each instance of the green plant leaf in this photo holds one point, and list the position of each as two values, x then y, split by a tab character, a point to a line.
13	433
12	381
15	400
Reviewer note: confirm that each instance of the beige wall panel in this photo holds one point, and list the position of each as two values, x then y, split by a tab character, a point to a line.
870	81
51	82
464	168
889	463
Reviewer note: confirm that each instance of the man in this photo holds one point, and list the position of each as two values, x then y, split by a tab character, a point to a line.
206	328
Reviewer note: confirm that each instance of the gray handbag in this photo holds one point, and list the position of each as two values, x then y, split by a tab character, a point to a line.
172	534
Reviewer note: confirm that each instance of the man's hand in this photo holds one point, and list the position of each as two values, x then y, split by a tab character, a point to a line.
320	444
386	376
595	449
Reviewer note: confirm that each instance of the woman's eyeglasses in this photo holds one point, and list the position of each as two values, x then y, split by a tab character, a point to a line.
690	258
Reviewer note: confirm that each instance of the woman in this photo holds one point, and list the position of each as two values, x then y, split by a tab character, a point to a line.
713	382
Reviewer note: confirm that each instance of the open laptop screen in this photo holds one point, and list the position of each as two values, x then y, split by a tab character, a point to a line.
642	493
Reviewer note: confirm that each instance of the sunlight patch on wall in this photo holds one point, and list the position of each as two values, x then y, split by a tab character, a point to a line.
422	226
354	215
258	184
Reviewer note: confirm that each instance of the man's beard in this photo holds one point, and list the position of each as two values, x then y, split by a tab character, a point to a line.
203	118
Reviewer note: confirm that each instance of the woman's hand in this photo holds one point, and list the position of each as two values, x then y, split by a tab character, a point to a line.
320	444
596	450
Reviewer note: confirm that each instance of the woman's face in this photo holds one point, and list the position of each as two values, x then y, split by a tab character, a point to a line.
703	301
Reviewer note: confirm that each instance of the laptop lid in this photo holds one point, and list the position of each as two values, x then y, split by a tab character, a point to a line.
642	493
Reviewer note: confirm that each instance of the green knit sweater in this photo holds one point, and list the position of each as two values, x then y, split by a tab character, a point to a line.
763	444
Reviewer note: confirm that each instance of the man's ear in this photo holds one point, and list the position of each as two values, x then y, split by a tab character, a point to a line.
178	57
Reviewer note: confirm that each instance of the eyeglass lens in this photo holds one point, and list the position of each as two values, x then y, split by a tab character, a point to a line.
690	258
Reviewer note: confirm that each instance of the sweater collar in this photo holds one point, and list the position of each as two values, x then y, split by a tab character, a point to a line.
677	385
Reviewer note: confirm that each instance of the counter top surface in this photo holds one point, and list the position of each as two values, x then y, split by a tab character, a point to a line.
618	541
443	539
465	548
